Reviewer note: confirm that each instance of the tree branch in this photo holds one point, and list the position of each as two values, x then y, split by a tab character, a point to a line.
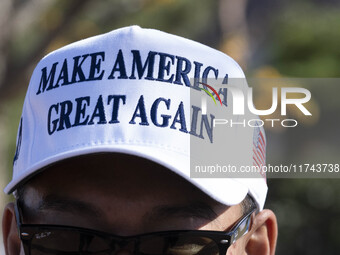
15	77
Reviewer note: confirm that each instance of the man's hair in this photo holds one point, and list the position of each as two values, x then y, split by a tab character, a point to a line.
247	204
19	194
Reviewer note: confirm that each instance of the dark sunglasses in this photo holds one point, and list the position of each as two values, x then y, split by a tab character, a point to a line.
39	239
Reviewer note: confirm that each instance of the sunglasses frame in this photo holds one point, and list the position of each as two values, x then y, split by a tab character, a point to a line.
223	239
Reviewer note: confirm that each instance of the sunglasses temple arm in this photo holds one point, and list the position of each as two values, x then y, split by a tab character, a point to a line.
17	215
237	233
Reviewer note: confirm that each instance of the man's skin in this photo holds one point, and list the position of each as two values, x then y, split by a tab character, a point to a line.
126	195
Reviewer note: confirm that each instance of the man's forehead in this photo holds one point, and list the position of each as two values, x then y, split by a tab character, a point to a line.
99	187
120	216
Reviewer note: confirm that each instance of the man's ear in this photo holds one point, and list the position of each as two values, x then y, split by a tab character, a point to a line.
264	234
10	232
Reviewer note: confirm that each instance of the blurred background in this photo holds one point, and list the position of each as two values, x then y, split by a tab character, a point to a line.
268	38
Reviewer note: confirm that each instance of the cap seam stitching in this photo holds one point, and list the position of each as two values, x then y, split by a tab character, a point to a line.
118	141
33	124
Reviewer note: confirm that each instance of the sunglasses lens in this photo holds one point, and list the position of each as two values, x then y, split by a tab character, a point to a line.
178	244
68	242
72	241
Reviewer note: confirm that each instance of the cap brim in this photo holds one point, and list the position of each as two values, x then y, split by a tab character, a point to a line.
225	191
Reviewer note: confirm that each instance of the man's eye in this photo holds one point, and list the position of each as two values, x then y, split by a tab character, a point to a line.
185	249
198	246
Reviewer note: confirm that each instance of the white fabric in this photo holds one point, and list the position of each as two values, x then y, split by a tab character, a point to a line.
42	143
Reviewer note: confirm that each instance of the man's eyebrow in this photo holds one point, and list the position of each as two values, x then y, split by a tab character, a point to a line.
196	210
65	204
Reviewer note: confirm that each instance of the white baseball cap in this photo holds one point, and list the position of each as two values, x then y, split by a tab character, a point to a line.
128	91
